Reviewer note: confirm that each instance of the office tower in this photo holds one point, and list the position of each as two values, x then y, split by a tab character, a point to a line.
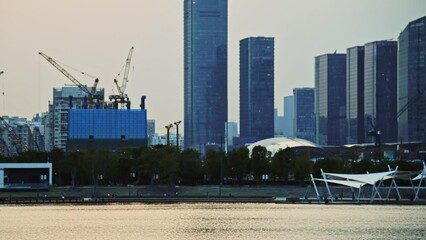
205	72
330	99
257	88
288	116
412	82
380	89
355	95
304	115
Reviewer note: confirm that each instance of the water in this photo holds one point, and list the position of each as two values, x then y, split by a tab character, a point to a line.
213	221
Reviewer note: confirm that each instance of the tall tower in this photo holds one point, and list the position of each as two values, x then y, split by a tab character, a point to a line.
380	88
304	115
355	95
205	72
330	99
257	88
412	81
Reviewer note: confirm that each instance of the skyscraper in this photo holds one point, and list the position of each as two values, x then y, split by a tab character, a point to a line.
330	99
355	95
304	115
412	81
205	72
380	88
257	88
289	116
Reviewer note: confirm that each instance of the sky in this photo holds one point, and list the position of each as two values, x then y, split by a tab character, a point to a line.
94	36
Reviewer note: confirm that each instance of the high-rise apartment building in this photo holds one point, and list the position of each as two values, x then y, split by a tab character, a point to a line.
205	72
380	89
355	95
58	113
412	81
330	99
257	88
304	115
150	131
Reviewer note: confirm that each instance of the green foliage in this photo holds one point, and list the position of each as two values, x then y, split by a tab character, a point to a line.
212	166
282	164
238	162
259	162
302	169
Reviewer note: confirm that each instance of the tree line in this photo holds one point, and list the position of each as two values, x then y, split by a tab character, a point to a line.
167	165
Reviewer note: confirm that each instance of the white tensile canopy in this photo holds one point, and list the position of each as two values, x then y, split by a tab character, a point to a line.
359	180
421	177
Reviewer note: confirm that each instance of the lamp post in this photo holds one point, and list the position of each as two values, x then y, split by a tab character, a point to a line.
177	133
168	133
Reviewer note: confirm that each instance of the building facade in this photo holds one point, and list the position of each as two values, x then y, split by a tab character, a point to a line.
355	95
289	116
257	88
412	81
330	99
58	113
380	89
304	115
205	72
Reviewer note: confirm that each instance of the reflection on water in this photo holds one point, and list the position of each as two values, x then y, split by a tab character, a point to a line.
213	221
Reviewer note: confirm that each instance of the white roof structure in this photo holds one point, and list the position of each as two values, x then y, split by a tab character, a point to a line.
276	144
368	178
422	175
348	183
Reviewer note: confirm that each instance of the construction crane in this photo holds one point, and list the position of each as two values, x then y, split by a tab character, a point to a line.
122	97
90	94
16	138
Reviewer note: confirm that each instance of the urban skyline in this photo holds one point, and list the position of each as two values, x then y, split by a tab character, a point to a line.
25	33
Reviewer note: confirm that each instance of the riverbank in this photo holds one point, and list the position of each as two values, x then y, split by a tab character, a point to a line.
183	194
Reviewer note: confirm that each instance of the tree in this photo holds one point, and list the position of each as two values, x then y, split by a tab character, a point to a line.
238	164
260	162
282	164
302	169
212	166
189	169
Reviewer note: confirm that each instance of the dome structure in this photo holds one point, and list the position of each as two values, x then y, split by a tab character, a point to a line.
274	145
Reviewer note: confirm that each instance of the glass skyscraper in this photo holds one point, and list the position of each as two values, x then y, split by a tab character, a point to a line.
330	99
304	115
257	88
412	81
355	95
205	72
380	89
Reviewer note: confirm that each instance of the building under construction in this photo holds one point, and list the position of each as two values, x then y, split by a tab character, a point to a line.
79	117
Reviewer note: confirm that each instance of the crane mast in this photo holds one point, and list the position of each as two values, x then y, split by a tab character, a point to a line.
122	97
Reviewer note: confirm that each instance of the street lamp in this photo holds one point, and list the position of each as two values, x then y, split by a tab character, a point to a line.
177	133
168	133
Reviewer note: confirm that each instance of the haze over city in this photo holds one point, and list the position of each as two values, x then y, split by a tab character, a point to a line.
95	37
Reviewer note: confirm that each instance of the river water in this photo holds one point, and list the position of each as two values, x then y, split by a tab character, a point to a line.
213	221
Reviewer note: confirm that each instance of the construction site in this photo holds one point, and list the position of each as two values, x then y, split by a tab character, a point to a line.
79	117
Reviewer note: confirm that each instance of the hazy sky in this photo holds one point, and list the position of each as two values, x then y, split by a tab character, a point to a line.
95	36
